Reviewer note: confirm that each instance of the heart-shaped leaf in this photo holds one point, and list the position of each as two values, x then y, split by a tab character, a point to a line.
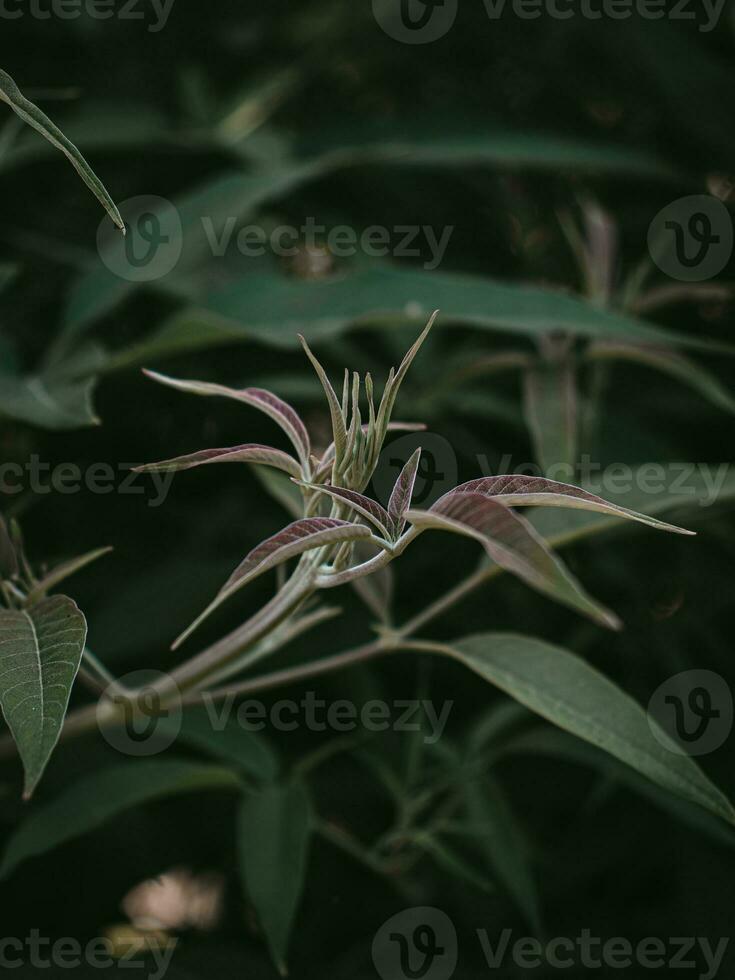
31	114
249	453
513	544
274	832
567	691
281	412
40	652
531	491
294	540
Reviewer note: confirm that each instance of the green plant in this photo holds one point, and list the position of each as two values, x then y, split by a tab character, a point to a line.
341	536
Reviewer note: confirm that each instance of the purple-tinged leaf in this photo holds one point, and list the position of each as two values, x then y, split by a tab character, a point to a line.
516	490
248	453
292	541
362	505
400	498
513	544
668	362
339	429
281	412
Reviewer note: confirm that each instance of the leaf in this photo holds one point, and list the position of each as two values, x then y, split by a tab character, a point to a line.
400	498
275	827
248	453
294	540
40	652
375	590
218	732
550	405
668	362
371	510
339	430
512	543
48	402
453	863
497	832
64	571
97	798
567	691
281	412
31	114
516	490
8	557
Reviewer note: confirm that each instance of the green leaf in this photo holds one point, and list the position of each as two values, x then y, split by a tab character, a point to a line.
226	740
64	571
275	826
48	402
31	114
567	691
40	652
497	832
550	405
99	797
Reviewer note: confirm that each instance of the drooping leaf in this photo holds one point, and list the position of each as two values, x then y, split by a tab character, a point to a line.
275	826
97	798
400	498
294	540
512	543
501	841
516	490
668	362
281	412
64	571
358	502
567	691
31	114
248	453
40	652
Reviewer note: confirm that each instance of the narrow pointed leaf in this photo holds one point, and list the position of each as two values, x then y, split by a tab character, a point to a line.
328	456
516	490
292	541
248	453
568	692
64	571
281	412
400	498
513	544
97	798
32	115
367	508
275	827
339	430
668	362
8	557
392	388
550	406
40	652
